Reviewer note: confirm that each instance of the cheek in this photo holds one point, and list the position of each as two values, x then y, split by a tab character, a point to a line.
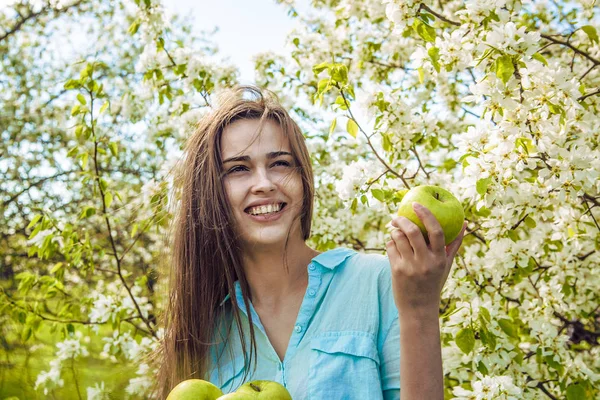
231	192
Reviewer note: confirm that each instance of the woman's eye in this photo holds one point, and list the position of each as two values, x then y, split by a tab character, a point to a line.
236	168
239	168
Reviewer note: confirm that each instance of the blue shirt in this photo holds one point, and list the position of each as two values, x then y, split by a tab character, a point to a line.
346	340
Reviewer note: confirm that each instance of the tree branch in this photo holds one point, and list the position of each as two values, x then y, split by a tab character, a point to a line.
390	169
107	220
429	10
569	45
33	15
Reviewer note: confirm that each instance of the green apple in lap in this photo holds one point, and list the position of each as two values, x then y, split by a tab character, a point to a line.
265	390
237	396
195	389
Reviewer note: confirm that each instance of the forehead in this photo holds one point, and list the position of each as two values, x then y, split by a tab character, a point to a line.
244	137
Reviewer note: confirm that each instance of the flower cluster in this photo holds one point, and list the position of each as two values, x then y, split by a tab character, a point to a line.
69	349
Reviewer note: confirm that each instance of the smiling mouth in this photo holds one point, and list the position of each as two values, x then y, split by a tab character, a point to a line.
283	205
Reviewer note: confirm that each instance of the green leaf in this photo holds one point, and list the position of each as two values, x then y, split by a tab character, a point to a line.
341	103
87	212
482	368
103	108
133	28
421	74
108	198
75	110
317	69
378	194
434	54
114	148
591	32
387	143
352	127
485	314
134	230
72	84
555	109
84	160
86	72
552	363
34	221
71	329
160	44
354	206
540	58
26	334
339	73
81	99
332	127
103	184
425	31
487	338
58	266
504	68
530	222
509	328
482	185
465	340
78	131
576	391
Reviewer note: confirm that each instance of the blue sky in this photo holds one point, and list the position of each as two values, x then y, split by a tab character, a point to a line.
246	27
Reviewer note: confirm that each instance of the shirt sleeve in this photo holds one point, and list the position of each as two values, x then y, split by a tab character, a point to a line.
389	337
390	363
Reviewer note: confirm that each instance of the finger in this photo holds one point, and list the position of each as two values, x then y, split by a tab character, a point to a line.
413	233
393	253
402	243
434	229
453	247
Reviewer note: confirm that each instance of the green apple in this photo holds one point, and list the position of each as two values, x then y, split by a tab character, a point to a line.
265	390
237	396
443	205
195	389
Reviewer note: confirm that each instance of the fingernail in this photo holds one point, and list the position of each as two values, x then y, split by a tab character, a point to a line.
417	206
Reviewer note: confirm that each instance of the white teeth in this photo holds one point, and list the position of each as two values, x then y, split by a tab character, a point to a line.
270	208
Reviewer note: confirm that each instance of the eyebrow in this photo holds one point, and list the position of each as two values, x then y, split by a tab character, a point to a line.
271	155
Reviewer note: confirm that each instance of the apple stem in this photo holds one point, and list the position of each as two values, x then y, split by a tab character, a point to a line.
437	196
253	386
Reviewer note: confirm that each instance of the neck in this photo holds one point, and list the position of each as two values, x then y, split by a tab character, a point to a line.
271	285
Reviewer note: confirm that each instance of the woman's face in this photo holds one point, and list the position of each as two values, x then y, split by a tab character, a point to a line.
260	170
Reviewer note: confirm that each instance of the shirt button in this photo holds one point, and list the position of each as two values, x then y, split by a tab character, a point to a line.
311	292
298	328
311	267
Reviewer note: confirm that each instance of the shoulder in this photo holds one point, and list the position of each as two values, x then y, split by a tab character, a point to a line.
364	272
363	265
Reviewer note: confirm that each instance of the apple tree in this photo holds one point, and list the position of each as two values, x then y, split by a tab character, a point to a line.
96	101
496	101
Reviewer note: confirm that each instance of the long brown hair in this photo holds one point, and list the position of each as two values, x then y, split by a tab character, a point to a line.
206	256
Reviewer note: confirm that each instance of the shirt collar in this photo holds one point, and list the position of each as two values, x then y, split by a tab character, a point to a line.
328	259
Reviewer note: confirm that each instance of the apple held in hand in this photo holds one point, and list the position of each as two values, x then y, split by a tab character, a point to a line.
443	205
263	390
195	389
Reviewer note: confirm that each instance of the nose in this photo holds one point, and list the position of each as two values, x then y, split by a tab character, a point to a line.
262	181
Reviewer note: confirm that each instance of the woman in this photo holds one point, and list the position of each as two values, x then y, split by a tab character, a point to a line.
250	300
